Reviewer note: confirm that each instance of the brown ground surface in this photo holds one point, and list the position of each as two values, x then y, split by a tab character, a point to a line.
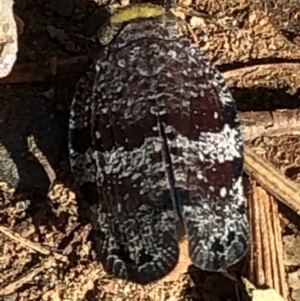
261	64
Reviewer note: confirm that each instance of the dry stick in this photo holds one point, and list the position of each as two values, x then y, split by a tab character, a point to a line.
31	245
53	68
267	265
286	73
257	237
265	234
276	247
272	180
255	124
277	123
26	277
33	148
279	250
273	240
45	263
249	269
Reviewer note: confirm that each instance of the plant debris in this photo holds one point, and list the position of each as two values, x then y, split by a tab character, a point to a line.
47	250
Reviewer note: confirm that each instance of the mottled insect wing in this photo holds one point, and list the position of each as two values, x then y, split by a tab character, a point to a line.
154	128
206	152
122	155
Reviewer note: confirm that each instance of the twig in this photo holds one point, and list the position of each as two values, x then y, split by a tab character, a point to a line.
192	32
272	180
26	277
266	264
42	71
190	11
46	262
41	158
279	258
285	74
280	122
254	123
266	236
31	245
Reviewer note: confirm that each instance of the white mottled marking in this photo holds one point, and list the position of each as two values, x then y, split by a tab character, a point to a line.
223	192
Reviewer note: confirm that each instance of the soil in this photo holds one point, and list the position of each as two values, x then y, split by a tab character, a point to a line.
38	196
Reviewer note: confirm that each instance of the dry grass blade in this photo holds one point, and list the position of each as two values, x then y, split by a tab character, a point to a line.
266	264
33	148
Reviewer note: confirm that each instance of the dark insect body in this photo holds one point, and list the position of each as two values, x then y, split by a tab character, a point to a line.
154	127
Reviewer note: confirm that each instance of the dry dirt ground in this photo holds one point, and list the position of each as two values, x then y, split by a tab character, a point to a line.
38	200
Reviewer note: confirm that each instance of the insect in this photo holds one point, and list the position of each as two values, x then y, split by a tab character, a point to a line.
154	128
